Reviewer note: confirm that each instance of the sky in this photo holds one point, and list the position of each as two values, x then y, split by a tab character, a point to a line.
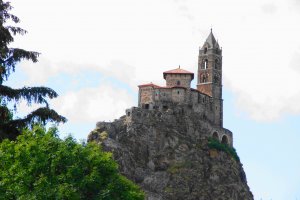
94	53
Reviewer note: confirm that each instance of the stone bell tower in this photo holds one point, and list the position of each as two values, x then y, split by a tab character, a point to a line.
210	74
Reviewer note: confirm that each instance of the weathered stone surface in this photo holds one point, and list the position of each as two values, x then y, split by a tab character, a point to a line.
166	153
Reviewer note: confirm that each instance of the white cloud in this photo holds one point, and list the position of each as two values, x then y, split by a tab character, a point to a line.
134	41
269	8
100	103
39	73
257	53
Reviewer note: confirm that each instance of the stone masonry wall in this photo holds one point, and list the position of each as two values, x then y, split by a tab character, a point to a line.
138	115
169	98
184	79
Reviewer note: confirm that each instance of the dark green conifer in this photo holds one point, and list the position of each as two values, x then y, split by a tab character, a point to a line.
10	126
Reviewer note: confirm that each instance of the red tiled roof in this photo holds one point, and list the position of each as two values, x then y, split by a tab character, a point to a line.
162	87
149	85
178	71
192	89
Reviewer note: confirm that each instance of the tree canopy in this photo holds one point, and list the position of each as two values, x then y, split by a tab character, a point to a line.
40	165
9	58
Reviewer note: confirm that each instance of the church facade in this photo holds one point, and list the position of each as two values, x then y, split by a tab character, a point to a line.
206	99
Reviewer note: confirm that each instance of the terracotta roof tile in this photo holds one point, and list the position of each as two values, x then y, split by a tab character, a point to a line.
149	85
178	71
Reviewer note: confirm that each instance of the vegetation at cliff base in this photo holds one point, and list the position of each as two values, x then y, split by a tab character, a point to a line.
40	165
215	144
9	58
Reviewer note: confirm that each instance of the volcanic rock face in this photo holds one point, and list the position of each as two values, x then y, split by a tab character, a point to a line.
167	154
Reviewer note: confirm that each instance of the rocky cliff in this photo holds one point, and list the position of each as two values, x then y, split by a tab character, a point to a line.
168	155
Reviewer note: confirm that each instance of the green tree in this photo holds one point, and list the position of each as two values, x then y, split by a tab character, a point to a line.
9	57
40	165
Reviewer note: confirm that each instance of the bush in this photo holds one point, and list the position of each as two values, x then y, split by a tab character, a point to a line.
40	165
215	144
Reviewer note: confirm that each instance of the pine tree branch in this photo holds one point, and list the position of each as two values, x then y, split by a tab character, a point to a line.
30	94
12	128
41	115
5	114
16	30
5	15
13	56
5	37
9	57
16	55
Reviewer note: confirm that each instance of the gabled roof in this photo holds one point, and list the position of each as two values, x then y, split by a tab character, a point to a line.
178	71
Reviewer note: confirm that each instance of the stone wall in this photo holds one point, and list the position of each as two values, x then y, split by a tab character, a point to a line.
138	115
179	95
146	95
209	109
184	80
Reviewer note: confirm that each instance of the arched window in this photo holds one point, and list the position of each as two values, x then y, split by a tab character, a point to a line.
203	78
215	135
205	50
224	140
205	64
178	82
216	63
216	79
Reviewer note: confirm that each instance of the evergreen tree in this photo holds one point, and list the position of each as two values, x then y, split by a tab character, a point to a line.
9	57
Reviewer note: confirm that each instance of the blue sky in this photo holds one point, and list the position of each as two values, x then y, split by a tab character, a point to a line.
96	52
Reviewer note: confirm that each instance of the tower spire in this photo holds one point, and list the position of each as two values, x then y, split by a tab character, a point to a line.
210	74
211	40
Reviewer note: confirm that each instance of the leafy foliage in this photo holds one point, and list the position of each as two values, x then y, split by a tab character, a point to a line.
9	57
39	165
215	144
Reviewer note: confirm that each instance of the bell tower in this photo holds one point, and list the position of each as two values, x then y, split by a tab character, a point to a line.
209	80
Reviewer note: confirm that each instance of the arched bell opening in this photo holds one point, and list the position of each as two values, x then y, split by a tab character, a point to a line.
215	136
225	140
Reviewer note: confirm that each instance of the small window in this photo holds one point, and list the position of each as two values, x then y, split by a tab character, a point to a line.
205	64
224	140
178	82
215	135
178	92
146	106
216	64
205	50
128	114
203	78
165	107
